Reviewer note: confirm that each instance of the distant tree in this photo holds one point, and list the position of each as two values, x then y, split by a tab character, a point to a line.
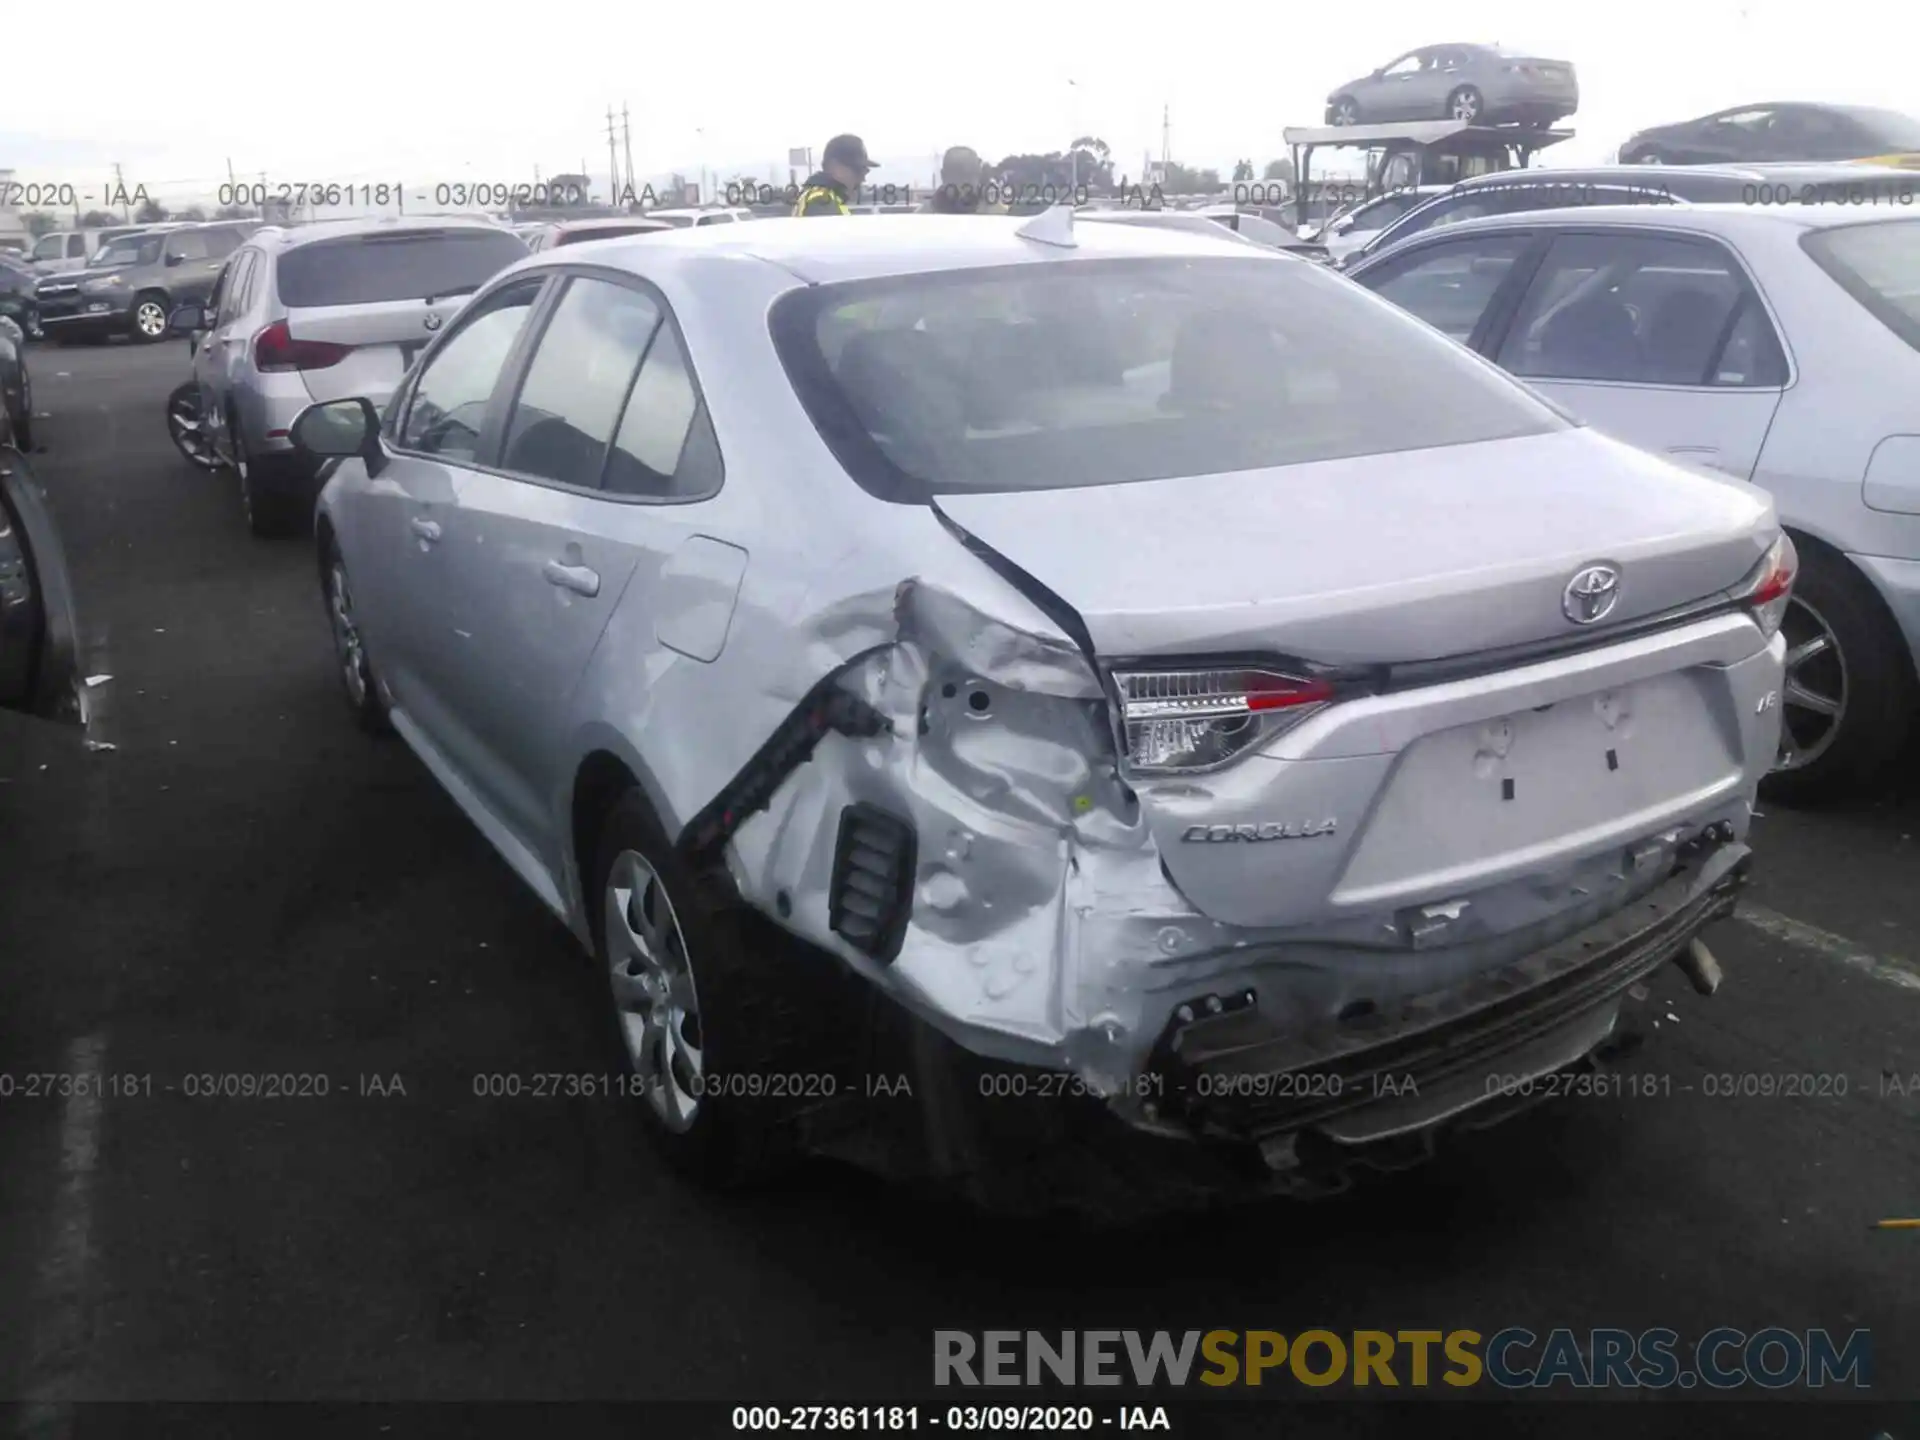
1242	170
1093	161
1181	180
569	189
233	212
193	212
38	223
94	219
1279	170
151	213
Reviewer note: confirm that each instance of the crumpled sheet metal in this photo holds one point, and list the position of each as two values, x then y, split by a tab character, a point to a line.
1040	909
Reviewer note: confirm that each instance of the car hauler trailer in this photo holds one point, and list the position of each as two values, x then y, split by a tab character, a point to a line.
1432	152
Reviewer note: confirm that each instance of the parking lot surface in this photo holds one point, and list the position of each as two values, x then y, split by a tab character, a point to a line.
244	885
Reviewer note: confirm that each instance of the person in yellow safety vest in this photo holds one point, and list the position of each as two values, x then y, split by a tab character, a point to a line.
843	170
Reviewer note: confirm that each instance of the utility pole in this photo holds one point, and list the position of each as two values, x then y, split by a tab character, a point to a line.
626	134
120	185
1166	136
613	163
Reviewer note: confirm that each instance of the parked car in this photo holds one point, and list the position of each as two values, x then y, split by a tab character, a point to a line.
572	232
16	385
310	312
1418	723
1482	84
39	649
132	283
1513	191
1253	229
683	219
1775	132
1352	227
1774	344
58	251
18	285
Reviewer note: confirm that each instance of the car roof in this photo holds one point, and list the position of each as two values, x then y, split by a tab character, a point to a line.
602	222
874	246
1725	219
1642	174
292	236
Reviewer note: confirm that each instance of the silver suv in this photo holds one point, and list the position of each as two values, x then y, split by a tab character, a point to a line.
317	311
1193	719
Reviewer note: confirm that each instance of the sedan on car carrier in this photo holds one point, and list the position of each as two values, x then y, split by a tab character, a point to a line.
1186	726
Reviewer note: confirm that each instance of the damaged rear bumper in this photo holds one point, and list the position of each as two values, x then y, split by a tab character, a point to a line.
1238	1104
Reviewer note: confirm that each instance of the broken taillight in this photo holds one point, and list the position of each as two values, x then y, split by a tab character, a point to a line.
1181	721
1769	586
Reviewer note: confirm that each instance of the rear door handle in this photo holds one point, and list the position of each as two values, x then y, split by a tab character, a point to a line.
577	578
427	530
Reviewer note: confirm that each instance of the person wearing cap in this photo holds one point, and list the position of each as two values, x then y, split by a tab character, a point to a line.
963	186
843	170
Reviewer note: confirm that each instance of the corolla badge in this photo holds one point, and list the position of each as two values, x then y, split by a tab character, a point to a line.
433	320
1591	594
1271	830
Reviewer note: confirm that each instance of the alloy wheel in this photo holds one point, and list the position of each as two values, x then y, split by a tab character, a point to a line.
346	635
189	430
1346	113
1814	698
653	990
1466	105
150	319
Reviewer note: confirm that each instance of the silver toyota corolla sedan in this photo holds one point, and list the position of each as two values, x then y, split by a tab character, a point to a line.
1034	703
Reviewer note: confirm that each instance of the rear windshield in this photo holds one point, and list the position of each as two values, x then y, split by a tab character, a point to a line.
1889	127
402	265
604	232
1878	263
1101	372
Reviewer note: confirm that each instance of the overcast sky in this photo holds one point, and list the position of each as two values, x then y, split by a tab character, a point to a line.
356	90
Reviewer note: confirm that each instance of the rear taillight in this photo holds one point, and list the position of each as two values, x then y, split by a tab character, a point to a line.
1769	586
275	350
1181	721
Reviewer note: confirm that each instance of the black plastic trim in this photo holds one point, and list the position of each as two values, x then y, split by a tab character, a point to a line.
893	841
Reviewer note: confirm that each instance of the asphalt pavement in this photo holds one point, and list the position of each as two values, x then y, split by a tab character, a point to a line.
225	878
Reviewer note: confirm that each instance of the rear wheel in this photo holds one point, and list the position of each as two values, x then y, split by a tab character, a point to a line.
1648	157
269	497
149	319
1848	701
692	1017
1465	104
23	418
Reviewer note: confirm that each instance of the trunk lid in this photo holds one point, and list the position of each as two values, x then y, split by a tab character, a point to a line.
1381	559
386	336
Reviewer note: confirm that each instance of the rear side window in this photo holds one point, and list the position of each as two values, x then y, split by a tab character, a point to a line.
1877	263
76	247
1100	372
1642	309
394	265
666	448
1449	285
448	410
221	242
187	245
578	379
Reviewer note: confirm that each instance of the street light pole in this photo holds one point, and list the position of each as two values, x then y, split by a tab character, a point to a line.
1073	146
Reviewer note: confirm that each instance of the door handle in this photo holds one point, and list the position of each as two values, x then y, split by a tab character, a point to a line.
577	578
427	530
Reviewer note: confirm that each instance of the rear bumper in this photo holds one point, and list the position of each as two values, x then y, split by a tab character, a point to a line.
1375	1096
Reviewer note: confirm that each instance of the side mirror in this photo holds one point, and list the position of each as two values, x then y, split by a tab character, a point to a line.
173	259
185	319
341	428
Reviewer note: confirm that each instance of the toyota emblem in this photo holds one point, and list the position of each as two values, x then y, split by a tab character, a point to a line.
1591	594
433	320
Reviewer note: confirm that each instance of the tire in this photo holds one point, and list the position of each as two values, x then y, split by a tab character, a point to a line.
643	892
148	322
1851	651
186	428
1649	156
357	678
271	498
1468	105
23	421
1345	110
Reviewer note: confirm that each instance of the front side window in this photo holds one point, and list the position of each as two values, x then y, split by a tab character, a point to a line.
1641	309
449	404
578	379
1449	285
1098	372
50	248
1878	263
